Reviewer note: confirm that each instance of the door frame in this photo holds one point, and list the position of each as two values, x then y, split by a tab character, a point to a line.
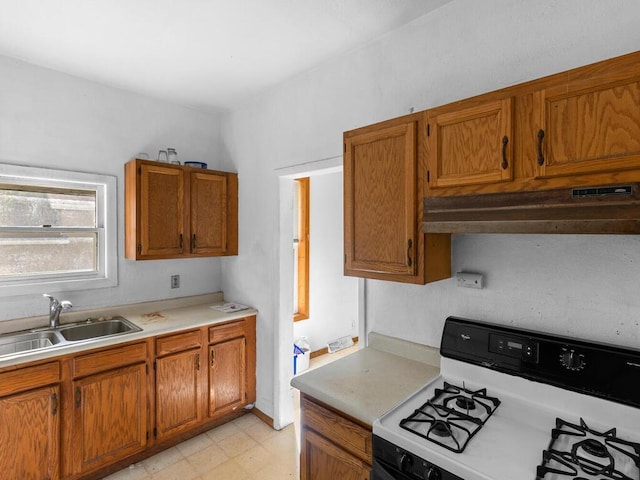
283	411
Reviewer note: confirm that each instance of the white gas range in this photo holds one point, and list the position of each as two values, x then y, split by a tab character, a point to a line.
512	404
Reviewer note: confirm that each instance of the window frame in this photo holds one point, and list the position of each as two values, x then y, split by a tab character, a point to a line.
105	188
301	309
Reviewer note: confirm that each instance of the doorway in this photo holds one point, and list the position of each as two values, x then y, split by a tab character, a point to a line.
335	301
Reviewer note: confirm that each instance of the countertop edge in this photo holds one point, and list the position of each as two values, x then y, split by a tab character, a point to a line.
153	321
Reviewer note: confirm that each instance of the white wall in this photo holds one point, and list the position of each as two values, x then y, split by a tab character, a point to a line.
49	119
576	285
333	307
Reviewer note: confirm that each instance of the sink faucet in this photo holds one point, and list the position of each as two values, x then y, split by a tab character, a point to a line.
55	307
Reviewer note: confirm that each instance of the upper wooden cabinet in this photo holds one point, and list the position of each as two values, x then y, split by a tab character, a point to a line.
590	126
173	211
573	129
382	207
471	145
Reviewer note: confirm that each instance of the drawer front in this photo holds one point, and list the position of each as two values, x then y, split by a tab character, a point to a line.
23	379
178	343
109	359
220	333
340	430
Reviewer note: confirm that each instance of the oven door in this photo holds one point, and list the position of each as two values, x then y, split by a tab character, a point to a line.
383	471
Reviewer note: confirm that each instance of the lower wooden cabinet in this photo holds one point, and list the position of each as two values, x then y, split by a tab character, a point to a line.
30	435
332	445
85	415
178	383
30	422
110	405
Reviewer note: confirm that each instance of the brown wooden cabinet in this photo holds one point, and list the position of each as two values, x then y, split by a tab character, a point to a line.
589	126
110	402
332	445
383	208
30	423
472	144
173	211
85	415
227	368
577	128
178	383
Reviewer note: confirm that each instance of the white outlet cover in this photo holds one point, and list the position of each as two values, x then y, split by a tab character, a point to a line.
469	280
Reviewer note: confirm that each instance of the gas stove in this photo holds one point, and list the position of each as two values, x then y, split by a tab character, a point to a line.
512	404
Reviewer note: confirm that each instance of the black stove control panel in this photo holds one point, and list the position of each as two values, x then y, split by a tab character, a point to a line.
591	368
514	346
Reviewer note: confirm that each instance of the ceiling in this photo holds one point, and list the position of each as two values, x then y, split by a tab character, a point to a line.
211	54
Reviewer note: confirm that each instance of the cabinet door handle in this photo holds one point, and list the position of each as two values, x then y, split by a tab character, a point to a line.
198	361
213	357
505	141
540	153
54	404
409	245
78	397
181	242
193	242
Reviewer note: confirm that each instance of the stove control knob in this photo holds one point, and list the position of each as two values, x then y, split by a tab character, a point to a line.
431	474
404	462
572	360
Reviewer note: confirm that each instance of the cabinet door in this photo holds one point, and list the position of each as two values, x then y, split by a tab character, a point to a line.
589	129
227	387
110	416
471	146
380	201
29	435
320	460
161	212
177	392
208	213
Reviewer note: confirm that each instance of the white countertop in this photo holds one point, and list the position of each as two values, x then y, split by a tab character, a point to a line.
367	383
155	318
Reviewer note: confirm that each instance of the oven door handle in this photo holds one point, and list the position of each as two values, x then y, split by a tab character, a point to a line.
380	472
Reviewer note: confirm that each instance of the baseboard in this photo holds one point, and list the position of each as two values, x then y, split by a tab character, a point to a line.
325	350
262	416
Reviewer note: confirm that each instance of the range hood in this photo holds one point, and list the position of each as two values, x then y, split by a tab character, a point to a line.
611	209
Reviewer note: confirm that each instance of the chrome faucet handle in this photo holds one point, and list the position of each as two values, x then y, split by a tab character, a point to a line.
66	304
52	300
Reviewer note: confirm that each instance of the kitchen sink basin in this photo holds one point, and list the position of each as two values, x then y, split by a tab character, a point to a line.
23	342
99	328
18	343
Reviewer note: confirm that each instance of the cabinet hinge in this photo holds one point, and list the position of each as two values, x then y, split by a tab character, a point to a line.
155	432
146	367
428	129
54	404
139	170
140	248
147	435
198	362
345	258
428	176
345	147
155	365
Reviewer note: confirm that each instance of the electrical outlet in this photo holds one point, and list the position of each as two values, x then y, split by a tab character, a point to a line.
175	281
469	280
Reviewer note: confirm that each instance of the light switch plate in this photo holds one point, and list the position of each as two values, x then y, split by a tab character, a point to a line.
469	279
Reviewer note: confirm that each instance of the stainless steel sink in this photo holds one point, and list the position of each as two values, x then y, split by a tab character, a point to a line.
23	342
14	344
97	329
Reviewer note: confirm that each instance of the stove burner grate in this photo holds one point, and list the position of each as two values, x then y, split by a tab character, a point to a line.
579	453
452	416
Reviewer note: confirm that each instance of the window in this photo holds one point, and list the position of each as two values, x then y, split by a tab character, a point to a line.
57	230
301	249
